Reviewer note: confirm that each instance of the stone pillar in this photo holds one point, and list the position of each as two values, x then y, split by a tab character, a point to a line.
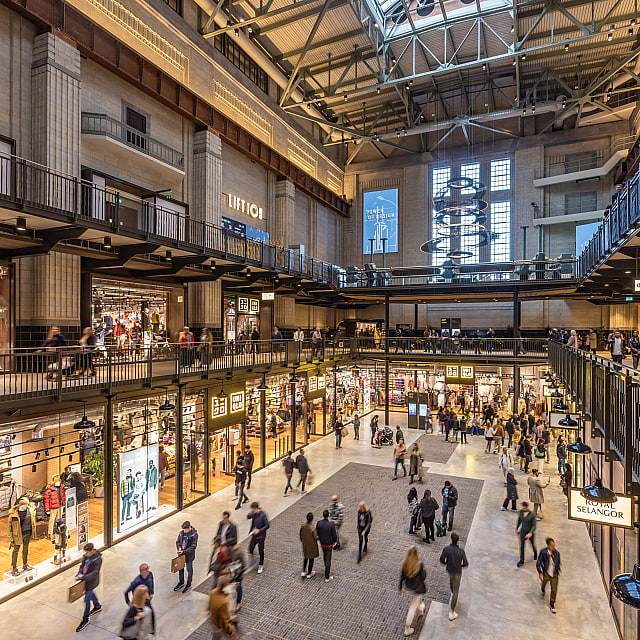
48	286
204	298
280	226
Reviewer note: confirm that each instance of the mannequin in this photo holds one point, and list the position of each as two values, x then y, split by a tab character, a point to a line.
54	501
60	538
22	524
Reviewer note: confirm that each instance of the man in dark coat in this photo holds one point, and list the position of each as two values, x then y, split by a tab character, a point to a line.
512	491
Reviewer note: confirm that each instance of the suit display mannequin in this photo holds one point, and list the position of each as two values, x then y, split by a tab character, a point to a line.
54	501
22	524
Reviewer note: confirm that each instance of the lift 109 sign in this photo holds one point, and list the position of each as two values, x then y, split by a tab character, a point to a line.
616	514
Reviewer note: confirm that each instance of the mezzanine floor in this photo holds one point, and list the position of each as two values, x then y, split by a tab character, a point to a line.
496	598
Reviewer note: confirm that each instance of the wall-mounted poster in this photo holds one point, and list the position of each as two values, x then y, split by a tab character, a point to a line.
380	221
83	523
138	484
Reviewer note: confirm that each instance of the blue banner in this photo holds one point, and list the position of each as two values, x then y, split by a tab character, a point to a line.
380	221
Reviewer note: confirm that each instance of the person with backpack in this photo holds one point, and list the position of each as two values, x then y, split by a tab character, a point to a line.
428	509
540	453
364	527
413	576
449	503
414	509
289	465
186	544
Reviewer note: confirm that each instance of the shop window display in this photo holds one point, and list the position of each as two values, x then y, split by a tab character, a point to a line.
51	485
241	318
278	417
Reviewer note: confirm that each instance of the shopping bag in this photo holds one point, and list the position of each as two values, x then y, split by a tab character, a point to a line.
177	563
76	591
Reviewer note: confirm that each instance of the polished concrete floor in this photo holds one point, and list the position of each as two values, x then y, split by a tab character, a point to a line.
496	598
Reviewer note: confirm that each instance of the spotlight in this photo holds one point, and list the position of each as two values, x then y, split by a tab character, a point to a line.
236	32
524	56
263	385
378	90
524	109
38	456
630	32
21	224
33	468
533	108
406	87
61	450
70	457
633	22
397	133
512	28
53	440
566	46
410	83
345	97
46	453
484	67
167	255
609	36
514	62
106	243
404	131
393	60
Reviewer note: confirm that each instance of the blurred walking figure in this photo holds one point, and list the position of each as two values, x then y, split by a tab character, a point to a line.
412	576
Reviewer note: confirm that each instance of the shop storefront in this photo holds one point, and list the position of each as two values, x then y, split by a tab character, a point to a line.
241	316
128	314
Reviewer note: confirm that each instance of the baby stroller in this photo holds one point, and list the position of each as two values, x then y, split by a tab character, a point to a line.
384	436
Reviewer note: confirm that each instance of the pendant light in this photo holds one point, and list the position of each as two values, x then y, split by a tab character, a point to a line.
85	423
626	587
222	393
557	394
561	406
166	405
578	447
597	493
263	385
567	421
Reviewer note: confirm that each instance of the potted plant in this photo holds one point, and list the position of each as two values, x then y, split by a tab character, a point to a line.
94	465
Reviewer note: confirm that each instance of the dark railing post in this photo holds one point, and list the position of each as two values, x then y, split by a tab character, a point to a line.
386	360
150	364
60	362
263	429
109	479
179	465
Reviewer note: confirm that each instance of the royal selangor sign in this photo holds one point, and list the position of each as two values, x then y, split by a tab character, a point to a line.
616	514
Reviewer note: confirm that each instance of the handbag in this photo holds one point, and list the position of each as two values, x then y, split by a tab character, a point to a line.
131	632
563	482
178	563
77	590
345	432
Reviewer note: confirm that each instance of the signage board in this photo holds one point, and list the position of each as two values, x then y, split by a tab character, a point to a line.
459	374
71	509
636	286
548	391
227	410
366	393
83	524
268	295
250	208
243	230
616	514
380	221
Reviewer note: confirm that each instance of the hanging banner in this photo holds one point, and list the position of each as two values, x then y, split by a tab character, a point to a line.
83	524
380	221
616	514
459	374
366	393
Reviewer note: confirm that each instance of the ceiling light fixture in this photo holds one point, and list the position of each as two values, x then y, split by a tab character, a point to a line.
597	493
609	36
166	405
85	423
21	224
579	448
106	243
566	46
345	97
222	393
263	385
236	32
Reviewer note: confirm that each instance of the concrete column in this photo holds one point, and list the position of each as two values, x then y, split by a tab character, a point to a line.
280	225
48	286
204	298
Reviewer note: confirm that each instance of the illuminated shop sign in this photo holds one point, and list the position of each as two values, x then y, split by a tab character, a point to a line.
237	401
313	383
616	514
250	208
248	305
320	382
218	407
459	374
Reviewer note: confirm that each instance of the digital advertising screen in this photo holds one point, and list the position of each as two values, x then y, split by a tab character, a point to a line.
380	221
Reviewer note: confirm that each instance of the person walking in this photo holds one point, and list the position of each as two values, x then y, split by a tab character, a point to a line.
526	445
399	435
593	341
415	463
498	436
546	438
526	529
235	570
258	530
617	346
536	492
309	539
548	567
399	454
489	434
328	537
510	429
414	509
428	508
540	454
139	620
561	453
364	527
566	480
336	515
186	544
505	462
249	460
373	425
227	530
89	573
339	429
356	427
512	490
454	558
449	503
463	429
143	579
302	465
219	610
413	576
289	465
240	472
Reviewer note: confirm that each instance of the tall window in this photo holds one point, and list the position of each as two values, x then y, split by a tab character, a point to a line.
440	177
501	225
496	177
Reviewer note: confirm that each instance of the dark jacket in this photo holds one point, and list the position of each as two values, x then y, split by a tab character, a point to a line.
454	558
416	583
81	491
302	465
399	435
249	459
90	570
231	539
309	539
543	561
326	533
452	496
526	523
137	582
288	464
509	427
512	491
241	473
428	507
526	447
187	543
368	519
259	521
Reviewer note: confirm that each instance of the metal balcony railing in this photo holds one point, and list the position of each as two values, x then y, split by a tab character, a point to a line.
27	185
100	124
610	394
619	223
